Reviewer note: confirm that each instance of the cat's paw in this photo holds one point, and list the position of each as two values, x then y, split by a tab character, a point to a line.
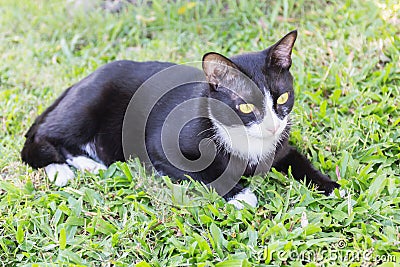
328	187
246	196
342	193
59	173
83	163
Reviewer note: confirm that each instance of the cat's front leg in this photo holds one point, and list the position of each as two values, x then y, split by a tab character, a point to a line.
239	195
302	168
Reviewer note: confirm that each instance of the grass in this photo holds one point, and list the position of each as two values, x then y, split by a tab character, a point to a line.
347	119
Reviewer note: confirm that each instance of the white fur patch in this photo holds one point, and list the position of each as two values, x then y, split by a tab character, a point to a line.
342	193
246	196
59	173
254	142
83	163
304	219
90	148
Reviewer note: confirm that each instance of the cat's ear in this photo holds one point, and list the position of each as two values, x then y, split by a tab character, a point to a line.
281	53
218	68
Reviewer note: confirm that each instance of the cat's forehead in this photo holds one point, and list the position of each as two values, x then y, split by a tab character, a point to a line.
278	82
253	66
268	79
243	88
252	80
249	61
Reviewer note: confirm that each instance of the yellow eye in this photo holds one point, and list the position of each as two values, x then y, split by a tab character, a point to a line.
246	108
283	98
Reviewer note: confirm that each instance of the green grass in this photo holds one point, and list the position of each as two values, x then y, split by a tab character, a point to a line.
346	119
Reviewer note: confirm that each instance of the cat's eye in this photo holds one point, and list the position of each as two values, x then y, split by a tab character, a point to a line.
283	98
246	108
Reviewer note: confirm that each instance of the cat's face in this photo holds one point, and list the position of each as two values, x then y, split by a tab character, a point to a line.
251	97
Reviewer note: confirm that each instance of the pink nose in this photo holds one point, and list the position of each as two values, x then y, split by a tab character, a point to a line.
273	130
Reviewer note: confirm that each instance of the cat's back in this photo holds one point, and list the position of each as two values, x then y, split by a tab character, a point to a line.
116	82
128	72
105	91
145	68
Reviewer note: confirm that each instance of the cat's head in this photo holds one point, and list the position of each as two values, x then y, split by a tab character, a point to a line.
258	90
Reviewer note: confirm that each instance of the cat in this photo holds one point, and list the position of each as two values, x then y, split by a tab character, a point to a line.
217	123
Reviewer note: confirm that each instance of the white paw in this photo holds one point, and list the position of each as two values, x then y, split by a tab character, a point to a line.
342	193
246	196
83	163
59	173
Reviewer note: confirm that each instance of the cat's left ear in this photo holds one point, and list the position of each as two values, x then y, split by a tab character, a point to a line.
218	68
281	52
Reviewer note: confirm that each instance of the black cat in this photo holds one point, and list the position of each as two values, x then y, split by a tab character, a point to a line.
228	120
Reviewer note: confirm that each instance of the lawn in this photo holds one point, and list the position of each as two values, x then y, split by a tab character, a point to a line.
346	119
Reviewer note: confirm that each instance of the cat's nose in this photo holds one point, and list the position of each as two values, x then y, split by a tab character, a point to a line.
273	129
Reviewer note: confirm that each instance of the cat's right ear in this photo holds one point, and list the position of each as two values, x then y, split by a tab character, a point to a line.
217	68
281	52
